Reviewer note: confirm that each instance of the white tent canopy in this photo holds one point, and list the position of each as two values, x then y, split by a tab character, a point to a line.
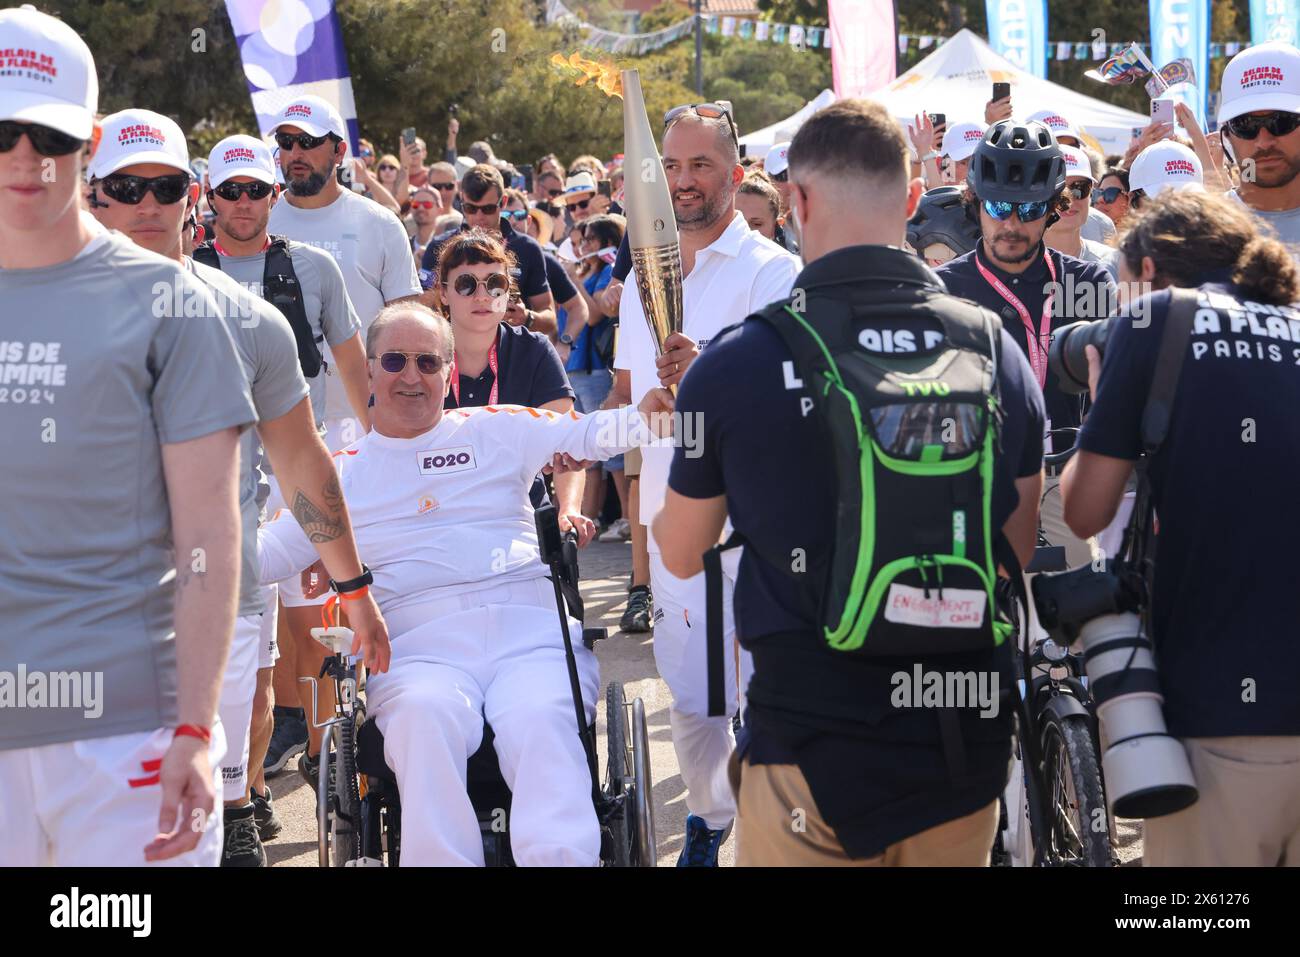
957	80
759	142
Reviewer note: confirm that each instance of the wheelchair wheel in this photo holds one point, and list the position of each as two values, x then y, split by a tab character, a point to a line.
643	805
618	778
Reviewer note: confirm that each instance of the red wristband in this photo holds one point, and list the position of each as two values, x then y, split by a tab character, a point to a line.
193	731
357	595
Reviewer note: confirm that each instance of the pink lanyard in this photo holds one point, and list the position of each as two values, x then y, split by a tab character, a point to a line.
492	364
1039	342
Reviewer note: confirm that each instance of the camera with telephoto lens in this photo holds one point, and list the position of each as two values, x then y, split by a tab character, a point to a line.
1146	769
1068	357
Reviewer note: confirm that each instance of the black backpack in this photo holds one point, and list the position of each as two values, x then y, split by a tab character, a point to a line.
280	287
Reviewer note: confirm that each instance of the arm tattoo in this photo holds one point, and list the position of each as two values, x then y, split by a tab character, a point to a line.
321	524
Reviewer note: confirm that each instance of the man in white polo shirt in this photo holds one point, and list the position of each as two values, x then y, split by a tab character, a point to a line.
729	272
119	520
1259	112
371	247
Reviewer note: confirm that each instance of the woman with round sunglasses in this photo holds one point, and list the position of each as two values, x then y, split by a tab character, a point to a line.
1016	183
495	362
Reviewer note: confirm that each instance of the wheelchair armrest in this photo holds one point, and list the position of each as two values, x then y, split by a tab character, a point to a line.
549	541
592	635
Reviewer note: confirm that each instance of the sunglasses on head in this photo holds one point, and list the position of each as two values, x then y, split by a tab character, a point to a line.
710	111
286	141
1278	123
1001	210
131	189
231	192
1080	190
445	187
1110	194
488	209
423	204
497	284
426	362
44	139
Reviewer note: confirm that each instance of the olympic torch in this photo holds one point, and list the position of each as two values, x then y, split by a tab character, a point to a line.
651	225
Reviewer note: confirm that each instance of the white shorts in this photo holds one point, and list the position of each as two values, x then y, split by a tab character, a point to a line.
95	803
268	649
235	706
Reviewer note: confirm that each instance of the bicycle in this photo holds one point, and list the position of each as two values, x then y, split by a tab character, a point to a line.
1063	820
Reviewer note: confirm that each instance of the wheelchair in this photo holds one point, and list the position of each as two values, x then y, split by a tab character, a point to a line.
359	813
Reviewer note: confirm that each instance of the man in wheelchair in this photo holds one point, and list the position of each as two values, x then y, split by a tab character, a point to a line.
441	512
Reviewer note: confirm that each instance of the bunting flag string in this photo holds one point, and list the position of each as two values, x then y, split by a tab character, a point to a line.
812	38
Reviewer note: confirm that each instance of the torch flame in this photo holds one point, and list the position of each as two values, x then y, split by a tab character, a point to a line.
609	79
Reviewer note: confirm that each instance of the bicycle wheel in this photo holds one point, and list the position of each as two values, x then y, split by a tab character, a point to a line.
1078	834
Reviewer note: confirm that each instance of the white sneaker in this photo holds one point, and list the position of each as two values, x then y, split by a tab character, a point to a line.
620	531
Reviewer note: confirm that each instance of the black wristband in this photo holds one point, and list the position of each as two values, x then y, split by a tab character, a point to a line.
354	584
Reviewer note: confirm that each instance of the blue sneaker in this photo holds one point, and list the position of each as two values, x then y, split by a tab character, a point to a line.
701	846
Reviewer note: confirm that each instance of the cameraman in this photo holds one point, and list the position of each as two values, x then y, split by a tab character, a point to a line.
1017	186
1222	628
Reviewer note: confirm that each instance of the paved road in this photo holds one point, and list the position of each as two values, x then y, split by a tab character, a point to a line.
625	658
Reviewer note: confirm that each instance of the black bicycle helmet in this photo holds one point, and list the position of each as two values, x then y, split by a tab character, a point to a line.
942	217
1017	162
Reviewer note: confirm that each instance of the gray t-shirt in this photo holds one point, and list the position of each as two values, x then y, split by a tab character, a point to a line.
1284	222
270	356
1099	227
371	247
98	369
324	299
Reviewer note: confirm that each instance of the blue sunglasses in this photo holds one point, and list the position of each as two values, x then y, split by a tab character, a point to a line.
1001	210
515	214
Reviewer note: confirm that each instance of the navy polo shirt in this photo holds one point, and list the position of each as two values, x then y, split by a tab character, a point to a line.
1222	484
623	261
1087	292
530	267
530	369
877	772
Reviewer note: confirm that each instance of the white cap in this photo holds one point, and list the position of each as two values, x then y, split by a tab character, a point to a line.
240	156
959	141
1055	122
777	159
139	136
1263	77
312	115
1076	162
1165	165
47	74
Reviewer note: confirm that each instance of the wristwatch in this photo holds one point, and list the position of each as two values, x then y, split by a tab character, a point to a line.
354	584
566	338
529	316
